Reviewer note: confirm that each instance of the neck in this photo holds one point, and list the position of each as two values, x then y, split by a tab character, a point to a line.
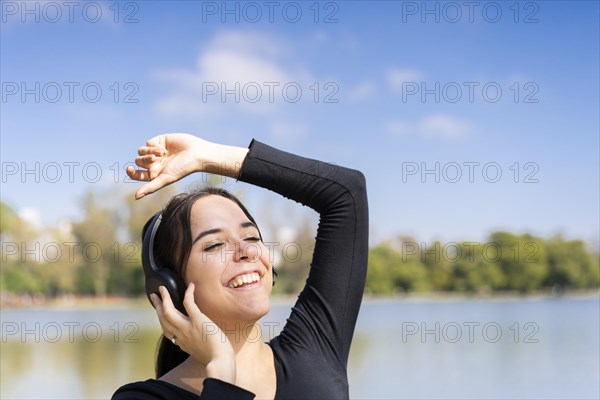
245	337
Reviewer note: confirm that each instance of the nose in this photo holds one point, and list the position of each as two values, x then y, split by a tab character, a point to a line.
247	251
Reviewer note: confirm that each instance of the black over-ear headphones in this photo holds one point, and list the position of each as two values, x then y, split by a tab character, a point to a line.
157	276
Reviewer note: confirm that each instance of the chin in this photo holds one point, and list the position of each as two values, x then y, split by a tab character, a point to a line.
254	310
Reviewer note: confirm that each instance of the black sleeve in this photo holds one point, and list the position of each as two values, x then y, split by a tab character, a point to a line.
216	389
153	389
324	316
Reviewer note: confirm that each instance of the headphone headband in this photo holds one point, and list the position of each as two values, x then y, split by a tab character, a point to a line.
148	261
156	275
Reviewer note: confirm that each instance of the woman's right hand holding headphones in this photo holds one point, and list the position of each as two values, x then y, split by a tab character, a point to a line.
196	334
170	157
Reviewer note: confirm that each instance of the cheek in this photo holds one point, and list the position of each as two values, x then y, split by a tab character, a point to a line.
265	259
203	273
201	269
264	256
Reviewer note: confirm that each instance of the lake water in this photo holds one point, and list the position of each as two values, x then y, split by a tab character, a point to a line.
403	349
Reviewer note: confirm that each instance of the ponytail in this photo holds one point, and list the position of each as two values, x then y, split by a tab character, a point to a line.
168	356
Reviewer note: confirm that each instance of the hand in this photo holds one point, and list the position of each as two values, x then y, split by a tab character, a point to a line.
168	158
197	335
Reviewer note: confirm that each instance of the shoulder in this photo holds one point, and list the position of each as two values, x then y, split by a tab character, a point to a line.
151	389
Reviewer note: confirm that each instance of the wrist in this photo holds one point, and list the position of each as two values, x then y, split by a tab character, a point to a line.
224	160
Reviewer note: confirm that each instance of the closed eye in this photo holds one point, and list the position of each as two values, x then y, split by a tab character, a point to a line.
212	247
252	239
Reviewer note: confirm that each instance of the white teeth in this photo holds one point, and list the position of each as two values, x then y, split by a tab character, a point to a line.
245	279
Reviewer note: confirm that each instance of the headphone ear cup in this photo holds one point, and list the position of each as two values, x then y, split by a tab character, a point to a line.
168	279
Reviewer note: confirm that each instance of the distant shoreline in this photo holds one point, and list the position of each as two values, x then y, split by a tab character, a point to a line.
88	302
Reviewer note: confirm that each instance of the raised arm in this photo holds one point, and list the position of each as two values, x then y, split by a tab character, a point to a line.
324	317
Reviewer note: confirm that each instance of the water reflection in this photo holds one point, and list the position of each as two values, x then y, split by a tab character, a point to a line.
402	349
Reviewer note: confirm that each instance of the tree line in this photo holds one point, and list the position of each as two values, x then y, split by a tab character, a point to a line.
504	262
99	255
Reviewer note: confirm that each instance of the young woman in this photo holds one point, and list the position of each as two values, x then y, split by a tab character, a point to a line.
212	243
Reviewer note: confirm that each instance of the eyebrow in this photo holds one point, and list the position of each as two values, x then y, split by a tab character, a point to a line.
217	230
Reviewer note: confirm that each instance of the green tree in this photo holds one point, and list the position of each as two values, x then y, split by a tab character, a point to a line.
96	235
523	260
383	264
395	266
18	270
8	219
571	265
439	267
295	257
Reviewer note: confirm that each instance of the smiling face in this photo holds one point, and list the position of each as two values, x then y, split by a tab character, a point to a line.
228	262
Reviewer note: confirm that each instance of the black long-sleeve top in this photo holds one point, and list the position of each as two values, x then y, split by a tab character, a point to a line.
311	352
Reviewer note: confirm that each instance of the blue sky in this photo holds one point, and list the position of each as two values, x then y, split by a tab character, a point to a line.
509	87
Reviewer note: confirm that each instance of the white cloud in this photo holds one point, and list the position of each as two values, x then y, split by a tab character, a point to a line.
397	128
441	125
397	76
243	71
435	125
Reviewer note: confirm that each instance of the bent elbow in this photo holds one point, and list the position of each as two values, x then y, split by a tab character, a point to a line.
357	183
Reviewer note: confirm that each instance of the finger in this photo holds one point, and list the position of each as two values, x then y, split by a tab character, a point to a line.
152	186
155	300
171	314
160	309
137	174
147	150
146	160
157	141
189	303
166	326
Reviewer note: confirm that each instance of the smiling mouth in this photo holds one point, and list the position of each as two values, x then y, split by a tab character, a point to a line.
249	280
